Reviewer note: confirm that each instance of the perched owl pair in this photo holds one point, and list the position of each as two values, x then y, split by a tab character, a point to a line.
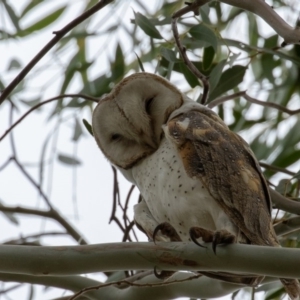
196	177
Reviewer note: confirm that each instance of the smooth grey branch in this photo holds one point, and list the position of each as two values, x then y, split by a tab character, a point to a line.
69	260
261	8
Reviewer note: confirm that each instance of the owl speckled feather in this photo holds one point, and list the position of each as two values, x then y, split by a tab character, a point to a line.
196	177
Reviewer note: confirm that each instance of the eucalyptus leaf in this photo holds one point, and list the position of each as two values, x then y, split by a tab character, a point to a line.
204	33
229	80
68	160
147	26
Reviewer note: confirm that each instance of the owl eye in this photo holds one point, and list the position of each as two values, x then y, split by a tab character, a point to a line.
148	105
115	137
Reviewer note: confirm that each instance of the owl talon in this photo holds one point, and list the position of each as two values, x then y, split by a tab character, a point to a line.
197	232
168	230
222	237
163	274
208	236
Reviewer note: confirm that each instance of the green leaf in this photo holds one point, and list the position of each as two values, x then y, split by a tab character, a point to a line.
147	26
77	131
30	6
118	66
208	57
68	160
11	12
140	63
297	175
88	126
216	74
32	102
44	22
189	76
169	55
229	80
203	33
14	64
73	66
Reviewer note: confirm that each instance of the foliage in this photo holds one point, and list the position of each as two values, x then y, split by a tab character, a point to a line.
234	48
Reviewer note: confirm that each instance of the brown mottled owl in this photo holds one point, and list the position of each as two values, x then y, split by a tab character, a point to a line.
197	178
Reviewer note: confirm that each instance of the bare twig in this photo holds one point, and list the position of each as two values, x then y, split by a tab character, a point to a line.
223	99
191	7
243	94
277	169
5	164
52	214
42	103
287	226
23	239
58	35
129	283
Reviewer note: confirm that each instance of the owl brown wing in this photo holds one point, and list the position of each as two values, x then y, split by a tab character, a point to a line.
224	163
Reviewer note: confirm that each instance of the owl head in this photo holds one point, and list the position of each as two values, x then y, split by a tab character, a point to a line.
127	123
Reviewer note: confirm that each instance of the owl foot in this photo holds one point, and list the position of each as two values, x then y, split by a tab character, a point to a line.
168	230
214	237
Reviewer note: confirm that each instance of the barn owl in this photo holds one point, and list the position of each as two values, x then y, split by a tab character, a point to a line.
196	177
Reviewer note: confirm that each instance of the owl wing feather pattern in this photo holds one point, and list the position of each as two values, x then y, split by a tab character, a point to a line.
223	162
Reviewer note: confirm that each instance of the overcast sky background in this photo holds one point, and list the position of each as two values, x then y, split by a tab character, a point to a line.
93	189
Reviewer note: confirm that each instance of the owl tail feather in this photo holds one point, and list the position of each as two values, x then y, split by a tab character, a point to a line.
292	287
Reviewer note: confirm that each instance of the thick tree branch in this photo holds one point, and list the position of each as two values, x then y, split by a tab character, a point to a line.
58	35
284	203
261	8
69	260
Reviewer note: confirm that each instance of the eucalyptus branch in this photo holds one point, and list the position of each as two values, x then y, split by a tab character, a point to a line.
191	7
58	35
261	8
23	239
52	214
284	203
243	94
277	169
133	284
69	260
41	104
196	288
72	283
287	226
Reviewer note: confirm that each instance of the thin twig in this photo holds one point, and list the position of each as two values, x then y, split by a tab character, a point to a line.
287	226
58	35
223	99
127	230
52	214
42	103
5	164
118	283
191	7
23	239
243	94
278	169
